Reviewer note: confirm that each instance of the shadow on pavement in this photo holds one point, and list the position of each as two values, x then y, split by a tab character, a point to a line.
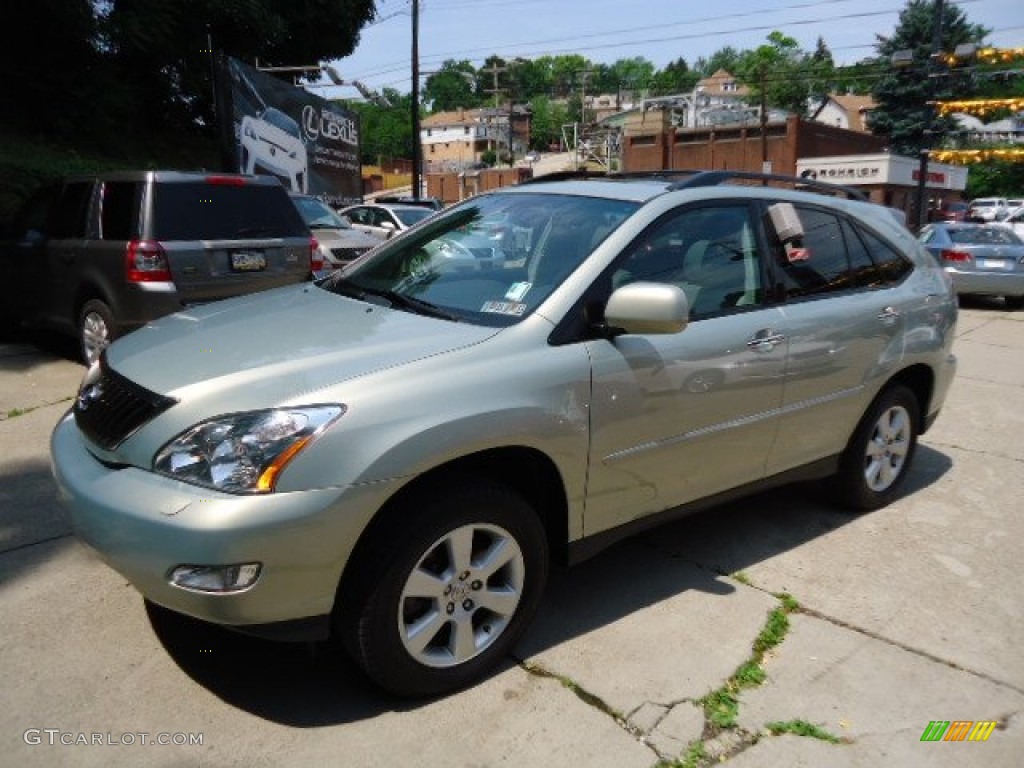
311	685
22	348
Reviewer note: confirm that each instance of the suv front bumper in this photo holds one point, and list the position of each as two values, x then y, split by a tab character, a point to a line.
144	525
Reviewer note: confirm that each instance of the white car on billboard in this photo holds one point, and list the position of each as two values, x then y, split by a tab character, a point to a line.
272	143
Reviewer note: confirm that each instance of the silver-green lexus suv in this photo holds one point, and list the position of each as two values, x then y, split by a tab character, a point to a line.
393	455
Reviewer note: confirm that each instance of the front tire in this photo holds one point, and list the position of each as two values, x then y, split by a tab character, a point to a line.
439	598
878	456
96	329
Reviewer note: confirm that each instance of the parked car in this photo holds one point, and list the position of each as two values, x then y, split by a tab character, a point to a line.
982	259
423	202
96	256
338	244
272	143
383	221
396	453
987	209
1015	220
950	210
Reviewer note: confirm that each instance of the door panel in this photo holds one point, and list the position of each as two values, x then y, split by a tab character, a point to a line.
682	416
679	417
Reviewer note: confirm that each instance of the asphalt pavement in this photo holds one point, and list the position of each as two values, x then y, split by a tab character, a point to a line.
906	616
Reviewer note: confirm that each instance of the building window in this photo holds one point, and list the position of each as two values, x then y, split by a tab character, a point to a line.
466	130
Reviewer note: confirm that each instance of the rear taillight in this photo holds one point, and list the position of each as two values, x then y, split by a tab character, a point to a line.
146	262
231	181
316	259
951	255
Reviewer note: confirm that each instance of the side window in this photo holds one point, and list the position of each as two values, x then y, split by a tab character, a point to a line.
891	264
69	215
709	252
819	264
863	272
119	209
31	222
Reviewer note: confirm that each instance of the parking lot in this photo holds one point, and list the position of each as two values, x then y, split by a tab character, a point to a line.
903	616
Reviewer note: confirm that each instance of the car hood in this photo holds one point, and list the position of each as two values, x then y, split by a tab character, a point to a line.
276	346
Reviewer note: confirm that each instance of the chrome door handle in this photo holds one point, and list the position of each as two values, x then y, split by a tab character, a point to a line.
765	341
889	314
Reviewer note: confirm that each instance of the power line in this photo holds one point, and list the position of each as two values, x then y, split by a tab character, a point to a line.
398	66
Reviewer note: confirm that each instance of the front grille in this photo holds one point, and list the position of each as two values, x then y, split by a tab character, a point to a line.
110	409
348	254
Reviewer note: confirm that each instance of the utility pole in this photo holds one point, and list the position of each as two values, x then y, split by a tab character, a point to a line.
494	70
764	122
926	135
416	148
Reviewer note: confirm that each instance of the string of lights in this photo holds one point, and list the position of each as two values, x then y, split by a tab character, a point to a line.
971	156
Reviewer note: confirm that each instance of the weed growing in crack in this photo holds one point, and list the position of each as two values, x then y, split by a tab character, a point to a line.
802	728
741	577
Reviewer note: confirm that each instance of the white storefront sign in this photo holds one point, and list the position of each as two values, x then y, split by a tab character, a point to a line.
856	170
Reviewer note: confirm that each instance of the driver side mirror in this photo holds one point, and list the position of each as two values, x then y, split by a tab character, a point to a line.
647	308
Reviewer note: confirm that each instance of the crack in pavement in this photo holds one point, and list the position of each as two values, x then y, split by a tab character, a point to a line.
29	544
978	451
591	699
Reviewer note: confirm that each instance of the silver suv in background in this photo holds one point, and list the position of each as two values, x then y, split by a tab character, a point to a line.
987	209
397	453
97	256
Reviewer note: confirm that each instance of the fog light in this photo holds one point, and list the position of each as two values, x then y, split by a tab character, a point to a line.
216	578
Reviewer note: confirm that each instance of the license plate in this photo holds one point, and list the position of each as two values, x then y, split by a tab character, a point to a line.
248	261
995	263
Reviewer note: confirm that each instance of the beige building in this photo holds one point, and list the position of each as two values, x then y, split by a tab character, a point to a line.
847	111
456	140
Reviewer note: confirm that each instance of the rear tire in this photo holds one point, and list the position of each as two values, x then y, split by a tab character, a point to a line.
878	457
1014	302
437	600
96	329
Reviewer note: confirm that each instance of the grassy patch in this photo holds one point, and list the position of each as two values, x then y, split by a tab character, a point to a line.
722	706
15	412
741	577
695	755
802	728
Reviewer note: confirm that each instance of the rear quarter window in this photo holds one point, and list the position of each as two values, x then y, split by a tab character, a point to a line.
201	211
119	210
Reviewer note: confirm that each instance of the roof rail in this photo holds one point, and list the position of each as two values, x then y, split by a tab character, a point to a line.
565	176
686	178
714	178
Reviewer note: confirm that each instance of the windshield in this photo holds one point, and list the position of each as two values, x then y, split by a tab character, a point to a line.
410	216
984	236
490	260
318	214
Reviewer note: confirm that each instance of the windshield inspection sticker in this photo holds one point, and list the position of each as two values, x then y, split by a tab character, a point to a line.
517	291
504	307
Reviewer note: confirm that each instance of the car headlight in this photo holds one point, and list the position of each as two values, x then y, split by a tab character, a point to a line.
243	452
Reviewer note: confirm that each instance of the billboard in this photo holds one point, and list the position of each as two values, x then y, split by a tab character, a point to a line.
310	144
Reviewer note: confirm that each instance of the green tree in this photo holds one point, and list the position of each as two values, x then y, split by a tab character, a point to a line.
452	86
902	95
384	131
781	70
726	58
676	77
546	122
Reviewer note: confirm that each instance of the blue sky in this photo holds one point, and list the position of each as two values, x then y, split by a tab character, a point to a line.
606	30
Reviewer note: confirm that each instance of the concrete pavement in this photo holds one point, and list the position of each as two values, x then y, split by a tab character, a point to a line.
907	615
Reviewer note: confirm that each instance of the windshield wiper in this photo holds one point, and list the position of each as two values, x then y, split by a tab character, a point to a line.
412	303
346	287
